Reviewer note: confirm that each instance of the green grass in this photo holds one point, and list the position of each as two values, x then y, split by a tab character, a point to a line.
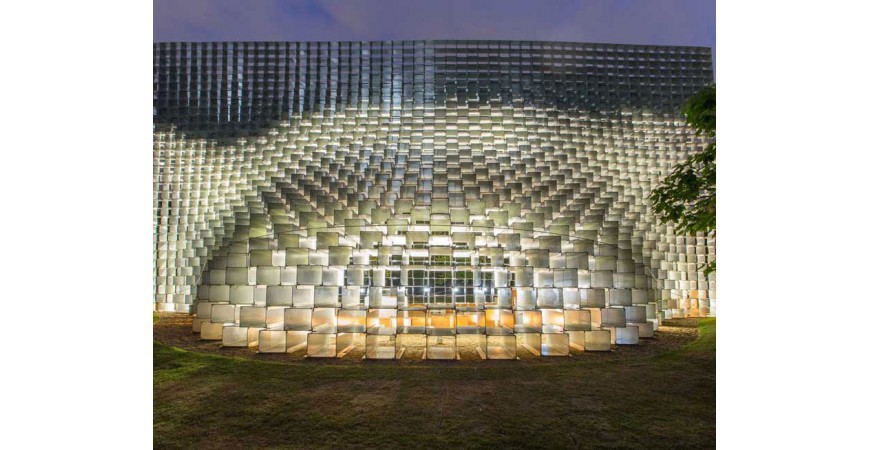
212	401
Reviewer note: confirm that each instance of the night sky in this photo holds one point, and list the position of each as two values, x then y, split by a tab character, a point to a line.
658	22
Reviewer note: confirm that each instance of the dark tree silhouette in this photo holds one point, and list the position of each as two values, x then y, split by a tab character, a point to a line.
687	197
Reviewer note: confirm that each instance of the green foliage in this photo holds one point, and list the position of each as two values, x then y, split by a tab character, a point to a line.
687	197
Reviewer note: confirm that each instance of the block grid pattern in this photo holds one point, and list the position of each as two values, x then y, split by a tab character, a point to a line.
422	194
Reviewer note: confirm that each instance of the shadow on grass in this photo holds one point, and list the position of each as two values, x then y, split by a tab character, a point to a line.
660	401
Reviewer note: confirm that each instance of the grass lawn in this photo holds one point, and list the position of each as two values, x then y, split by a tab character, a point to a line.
662	401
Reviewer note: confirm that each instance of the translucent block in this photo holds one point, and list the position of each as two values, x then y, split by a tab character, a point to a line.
252	316
242	295
275	317
499	322
526	299
223	314
635	314
328	345
297	256
261	258
326	296
237	276
440	322
645	330
351	321
501	347
613	317
324	320
381	321
524	276
602	279
380	346
556	344
577	340
411	322
503	298
355	276
288	276
623	280
620	297
237	260
326	239
627	336
529	343
385	298
575	260
528	321
333	276
303	297
578	320
296	341
211	331
584	278
269	276
235	337
197	324
543	278
597	341
440	347
470	322
639	296
538	258
279	296
219	293
203	310
549	298
571	298
217	276
553	321
351	297
272	341
339	256
297	319
309	275
593	298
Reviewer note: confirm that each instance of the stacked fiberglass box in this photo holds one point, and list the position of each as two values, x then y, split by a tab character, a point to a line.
418	198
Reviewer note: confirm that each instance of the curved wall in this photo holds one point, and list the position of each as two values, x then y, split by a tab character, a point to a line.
425	195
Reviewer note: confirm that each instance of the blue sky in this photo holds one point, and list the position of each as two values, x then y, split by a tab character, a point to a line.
659	22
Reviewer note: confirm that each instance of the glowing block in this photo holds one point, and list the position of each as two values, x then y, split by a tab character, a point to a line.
296	341
303	297
381	322
555	344
324	320
411	322
612	317
380	346
252	316
326	296
645	330
527	321
235	337
223	313
272	341
328	345
598	340
351	321
501	347
211	331
279	296
553	321
627	336
635	314
578	320
440	347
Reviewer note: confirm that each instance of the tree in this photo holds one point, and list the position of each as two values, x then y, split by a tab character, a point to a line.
687	197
